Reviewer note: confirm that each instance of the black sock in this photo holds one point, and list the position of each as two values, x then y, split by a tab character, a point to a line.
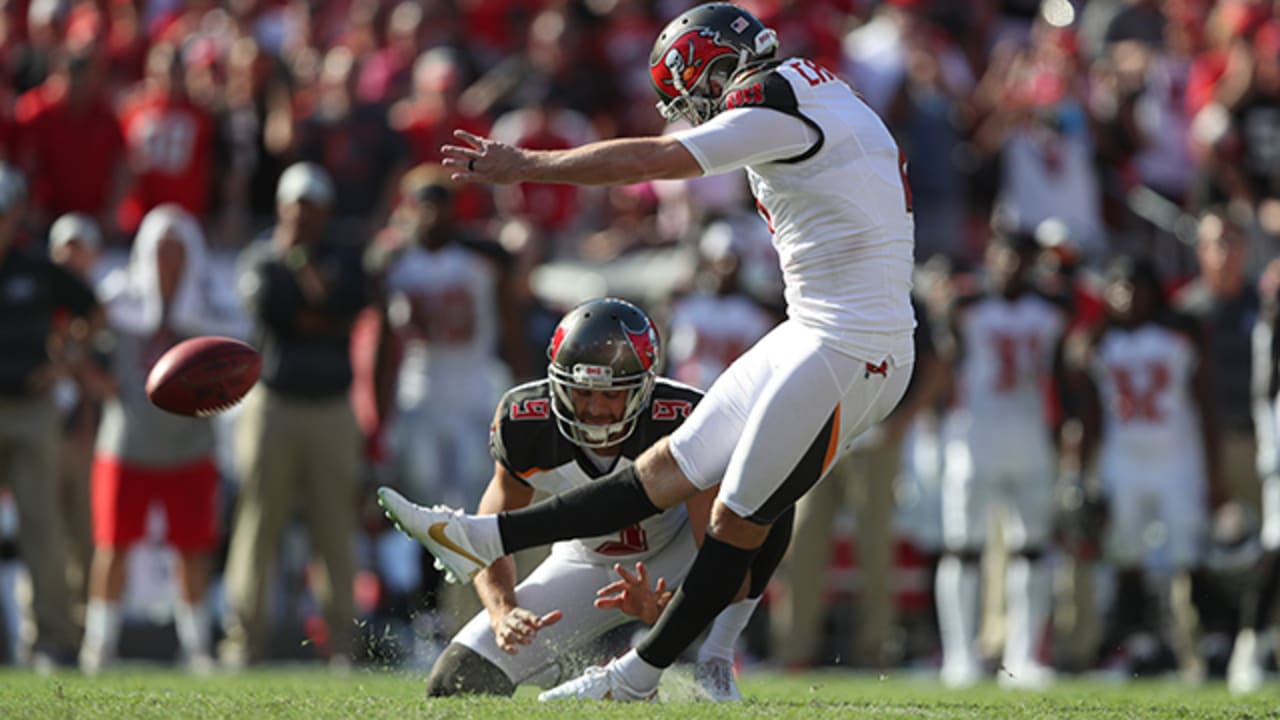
771	552
602	506
709	587
1260	604
1128	612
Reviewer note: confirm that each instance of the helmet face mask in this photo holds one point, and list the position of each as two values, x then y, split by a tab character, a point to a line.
699	52
605	345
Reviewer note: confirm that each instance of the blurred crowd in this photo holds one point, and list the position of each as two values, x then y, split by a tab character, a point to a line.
288	149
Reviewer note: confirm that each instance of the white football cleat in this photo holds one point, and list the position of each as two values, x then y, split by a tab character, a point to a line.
1244	670
441	530
1030	676
598	683
94	660
961	674
715	678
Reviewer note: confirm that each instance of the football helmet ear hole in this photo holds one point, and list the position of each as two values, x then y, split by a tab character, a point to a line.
605	344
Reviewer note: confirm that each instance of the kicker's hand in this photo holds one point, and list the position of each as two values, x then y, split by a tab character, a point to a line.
632	595
520	627
483	160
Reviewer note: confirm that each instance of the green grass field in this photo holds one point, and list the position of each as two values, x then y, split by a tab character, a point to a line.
312	695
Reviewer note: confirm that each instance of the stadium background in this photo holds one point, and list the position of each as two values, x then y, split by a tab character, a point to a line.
1123	101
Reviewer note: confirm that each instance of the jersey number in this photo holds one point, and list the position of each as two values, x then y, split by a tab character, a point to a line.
447	316
812	72
165	143
1009	350
630	541
531	410
1140	404
671	409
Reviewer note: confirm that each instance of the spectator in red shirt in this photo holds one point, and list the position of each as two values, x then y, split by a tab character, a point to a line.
426	120
169	140
69	142
387	72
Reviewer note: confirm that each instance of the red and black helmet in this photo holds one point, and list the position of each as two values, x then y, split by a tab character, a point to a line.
697	53
603	344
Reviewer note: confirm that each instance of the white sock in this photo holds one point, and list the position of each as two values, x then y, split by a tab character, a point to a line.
102	627
1245	653
193	626
482	531
638	675
1027	610
722	638
957	591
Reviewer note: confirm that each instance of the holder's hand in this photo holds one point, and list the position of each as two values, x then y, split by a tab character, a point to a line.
520	627
632	594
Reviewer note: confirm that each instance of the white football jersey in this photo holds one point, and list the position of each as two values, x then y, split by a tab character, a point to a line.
444	303
1008	350
839	209
1144	379
710	331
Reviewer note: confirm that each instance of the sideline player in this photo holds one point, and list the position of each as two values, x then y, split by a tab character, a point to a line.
1006	343
1148	413
600	406
829	178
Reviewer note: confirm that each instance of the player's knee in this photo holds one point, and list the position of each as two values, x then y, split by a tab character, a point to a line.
662	478
462	671
729	527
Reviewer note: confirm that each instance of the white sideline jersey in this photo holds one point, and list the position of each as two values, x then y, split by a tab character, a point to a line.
1008	348
1144	379
444	302
829	179
709	332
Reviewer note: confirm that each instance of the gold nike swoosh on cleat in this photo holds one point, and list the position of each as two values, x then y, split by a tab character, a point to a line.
436	533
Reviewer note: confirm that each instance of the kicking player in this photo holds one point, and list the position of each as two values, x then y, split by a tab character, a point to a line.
829	178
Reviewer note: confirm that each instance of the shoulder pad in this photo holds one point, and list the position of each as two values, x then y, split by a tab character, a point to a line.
669	405
524	438
673	401
761	86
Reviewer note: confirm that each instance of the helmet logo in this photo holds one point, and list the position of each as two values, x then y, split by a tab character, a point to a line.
739	24
593	375
643	342
684	64
556	340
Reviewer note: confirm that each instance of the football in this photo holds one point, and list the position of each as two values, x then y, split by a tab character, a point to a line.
203	376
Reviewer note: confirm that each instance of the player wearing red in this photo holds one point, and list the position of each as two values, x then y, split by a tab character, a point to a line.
144	454
70	142
169	141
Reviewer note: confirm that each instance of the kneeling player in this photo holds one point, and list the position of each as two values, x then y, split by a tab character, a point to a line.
600	407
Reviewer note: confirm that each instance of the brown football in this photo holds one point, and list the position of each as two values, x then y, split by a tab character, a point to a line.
203	376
